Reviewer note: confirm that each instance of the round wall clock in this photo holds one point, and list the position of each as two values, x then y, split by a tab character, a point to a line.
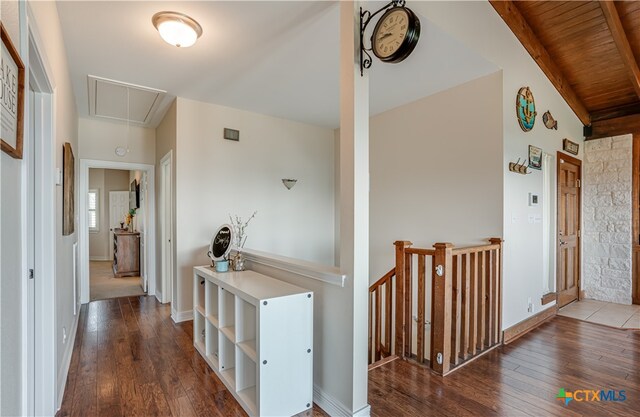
120	151
395	35
526	109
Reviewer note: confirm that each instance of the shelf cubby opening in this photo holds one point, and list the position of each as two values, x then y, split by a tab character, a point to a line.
246	322
199	332
212	344
246	380
200	288
227	354
227	314
211	294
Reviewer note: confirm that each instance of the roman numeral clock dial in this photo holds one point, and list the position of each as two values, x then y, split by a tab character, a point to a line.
395	35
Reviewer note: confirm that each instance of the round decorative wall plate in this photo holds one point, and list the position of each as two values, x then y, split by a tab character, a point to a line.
526	109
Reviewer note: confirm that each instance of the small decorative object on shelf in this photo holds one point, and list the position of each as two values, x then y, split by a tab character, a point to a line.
220	247
128	219
239	239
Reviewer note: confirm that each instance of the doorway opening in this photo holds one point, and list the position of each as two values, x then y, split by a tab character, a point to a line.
117	229
117	220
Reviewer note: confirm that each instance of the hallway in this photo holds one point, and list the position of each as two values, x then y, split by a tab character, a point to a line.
131	359
104	285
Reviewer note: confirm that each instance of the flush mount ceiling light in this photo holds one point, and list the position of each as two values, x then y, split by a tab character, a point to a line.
177	29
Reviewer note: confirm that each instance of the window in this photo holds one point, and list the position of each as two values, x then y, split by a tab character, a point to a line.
94	212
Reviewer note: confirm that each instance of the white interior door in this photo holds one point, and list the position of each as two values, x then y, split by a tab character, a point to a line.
32	237
118	208
166	220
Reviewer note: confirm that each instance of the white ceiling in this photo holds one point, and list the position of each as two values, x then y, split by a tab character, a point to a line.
279	58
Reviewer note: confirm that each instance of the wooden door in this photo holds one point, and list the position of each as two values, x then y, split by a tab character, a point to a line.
568	230
118	208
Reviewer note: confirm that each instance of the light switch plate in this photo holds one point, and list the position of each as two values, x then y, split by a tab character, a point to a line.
533	199
58	176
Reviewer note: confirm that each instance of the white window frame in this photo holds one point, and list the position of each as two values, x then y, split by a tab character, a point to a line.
97	209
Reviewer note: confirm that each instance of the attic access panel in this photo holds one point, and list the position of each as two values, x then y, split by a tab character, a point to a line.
122	101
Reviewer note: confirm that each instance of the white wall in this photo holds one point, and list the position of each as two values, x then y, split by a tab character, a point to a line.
607	219
12	216
217	177
433	178
477	25
105	181
100	138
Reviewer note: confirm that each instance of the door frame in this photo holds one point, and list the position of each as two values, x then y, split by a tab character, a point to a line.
167	260
83	231
40	395
572	159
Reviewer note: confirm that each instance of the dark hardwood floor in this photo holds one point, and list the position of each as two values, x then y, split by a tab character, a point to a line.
522	378
131	359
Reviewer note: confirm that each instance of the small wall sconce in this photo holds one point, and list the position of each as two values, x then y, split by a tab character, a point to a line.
289	183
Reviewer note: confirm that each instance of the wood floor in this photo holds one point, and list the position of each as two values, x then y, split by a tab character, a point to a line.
522	378
131	359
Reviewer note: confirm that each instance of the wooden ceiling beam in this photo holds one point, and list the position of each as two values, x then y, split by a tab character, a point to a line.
615	112
519	26
622	42
614	127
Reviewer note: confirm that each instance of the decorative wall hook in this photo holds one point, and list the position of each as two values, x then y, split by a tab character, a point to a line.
519	168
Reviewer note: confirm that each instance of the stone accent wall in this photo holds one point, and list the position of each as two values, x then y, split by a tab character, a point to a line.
607	211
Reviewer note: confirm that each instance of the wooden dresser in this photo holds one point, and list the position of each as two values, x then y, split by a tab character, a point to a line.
126	253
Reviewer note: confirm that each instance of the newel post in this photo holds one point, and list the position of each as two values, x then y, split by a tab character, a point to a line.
498	266
441	308
398	348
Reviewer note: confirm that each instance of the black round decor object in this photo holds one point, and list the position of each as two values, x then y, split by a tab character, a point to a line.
221	243
396	34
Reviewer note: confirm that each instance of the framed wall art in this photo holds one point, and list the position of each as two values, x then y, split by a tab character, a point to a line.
570	147
68	190
11	97
535	157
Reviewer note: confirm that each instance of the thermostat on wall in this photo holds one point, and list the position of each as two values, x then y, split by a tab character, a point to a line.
533	199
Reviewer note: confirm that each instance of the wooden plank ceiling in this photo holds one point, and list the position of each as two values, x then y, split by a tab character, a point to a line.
589	50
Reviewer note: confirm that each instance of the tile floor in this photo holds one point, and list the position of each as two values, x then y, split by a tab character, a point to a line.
610	314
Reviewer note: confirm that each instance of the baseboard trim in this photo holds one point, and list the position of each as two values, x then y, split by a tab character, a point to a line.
63	372
335	408
159	297
526	325
99	258
181	316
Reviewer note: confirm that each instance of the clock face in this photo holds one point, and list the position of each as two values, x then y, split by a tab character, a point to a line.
395	35
120	151
391	32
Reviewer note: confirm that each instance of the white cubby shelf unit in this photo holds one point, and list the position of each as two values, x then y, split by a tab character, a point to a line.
256	333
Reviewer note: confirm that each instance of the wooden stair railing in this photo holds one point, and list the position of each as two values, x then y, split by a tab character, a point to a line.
380	311
462	286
